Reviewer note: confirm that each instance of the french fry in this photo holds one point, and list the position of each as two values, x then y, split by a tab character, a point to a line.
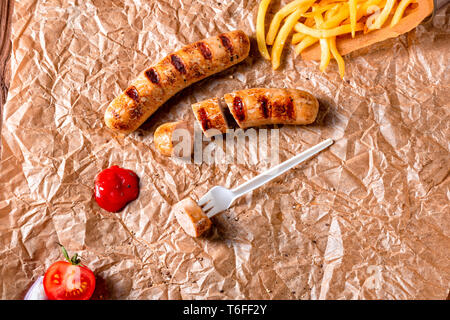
309	22
399	12
324	20
323	8
281	14
283	34
325	2
363	9
325	54
308	15
305	43
334	1
318	18
337	56
382	17
308	41
260	32
316	8
327	33
332	11
352	9
334	21
372	13
297	37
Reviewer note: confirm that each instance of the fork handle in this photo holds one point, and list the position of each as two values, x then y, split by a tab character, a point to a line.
279	169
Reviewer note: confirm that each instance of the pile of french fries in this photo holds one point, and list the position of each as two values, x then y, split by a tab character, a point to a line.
322	21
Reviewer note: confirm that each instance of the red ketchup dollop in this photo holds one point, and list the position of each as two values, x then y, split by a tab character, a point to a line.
115	187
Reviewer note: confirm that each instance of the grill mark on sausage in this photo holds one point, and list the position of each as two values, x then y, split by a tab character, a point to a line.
178	63
226	42
238	108
152	75
203	117
204	50
283	110
132	93
264	106
290	112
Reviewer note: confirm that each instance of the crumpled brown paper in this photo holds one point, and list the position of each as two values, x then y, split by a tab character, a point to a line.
366	219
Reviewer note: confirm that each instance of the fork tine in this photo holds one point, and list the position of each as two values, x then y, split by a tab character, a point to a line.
203	200
213	211
208	206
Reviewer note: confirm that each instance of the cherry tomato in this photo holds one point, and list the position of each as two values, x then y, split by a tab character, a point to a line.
115	187
68	280
65	281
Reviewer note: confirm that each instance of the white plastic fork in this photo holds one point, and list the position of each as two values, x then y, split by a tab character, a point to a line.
219	198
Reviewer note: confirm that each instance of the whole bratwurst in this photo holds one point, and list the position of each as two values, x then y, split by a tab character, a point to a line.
157	84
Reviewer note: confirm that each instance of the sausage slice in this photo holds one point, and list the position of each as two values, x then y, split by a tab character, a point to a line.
191	217
258	106
164	136
210	115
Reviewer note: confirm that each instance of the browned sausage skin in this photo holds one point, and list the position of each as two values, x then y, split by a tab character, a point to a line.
157	84
258	106
210	116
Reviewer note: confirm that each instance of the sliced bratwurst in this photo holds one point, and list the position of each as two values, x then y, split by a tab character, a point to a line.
249	108
210	115
157	84
258	106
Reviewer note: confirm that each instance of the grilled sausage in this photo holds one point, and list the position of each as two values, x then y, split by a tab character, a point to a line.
191	217
256	107
157	84
163	137
210	116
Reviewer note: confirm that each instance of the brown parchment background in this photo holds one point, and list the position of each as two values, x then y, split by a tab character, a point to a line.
366	219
